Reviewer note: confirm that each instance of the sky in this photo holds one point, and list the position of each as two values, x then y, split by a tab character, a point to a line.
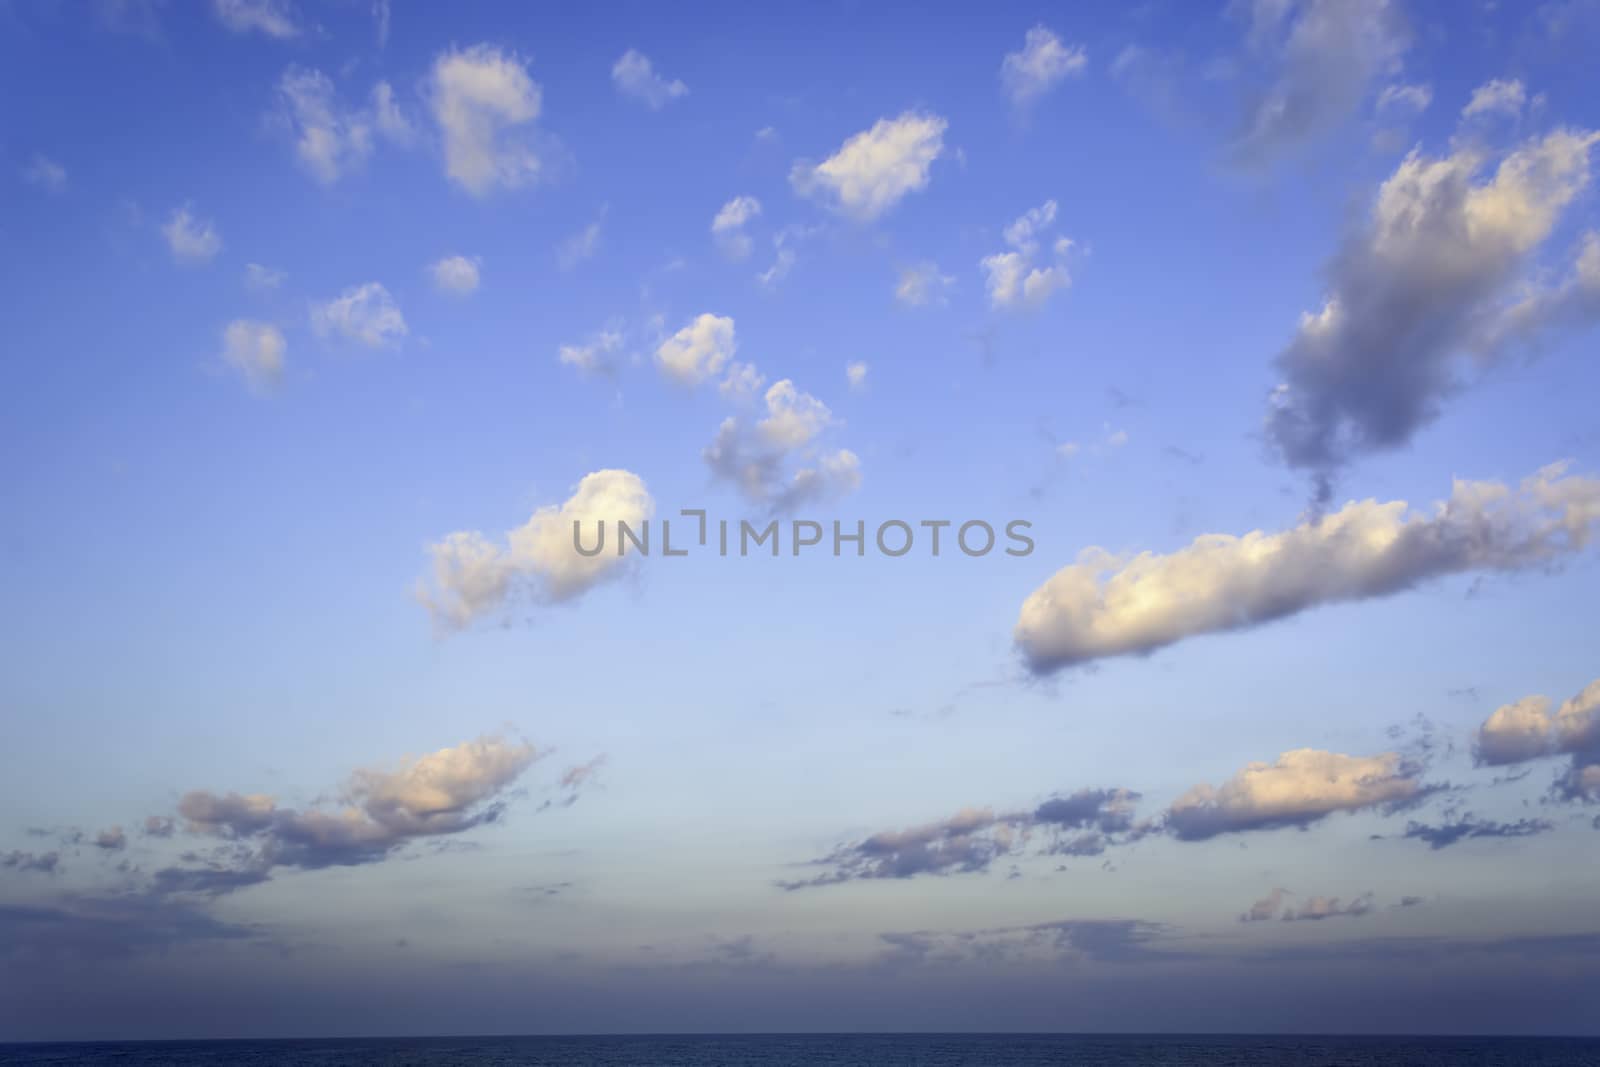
1259	337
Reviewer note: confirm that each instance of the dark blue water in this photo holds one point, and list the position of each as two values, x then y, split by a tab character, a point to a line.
840	1051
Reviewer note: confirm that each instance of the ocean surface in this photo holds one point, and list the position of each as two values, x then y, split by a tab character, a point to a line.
839	1051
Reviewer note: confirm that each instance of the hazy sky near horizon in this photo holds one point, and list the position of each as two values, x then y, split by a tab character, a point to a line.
1275	322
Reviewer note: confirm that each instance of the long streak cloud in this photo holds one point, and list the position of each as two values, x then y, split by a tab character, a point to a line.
1105	605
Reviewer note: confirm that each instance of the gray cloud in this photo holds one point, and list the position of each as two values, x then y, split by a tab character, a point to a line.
1076	824
1299	788
968	841
1099	940
1328	54
111	839
40	862
1447	834
107	926
443	793
1527	730
1265	908
758	459
1429	279
1105	605
1318	908
1468	826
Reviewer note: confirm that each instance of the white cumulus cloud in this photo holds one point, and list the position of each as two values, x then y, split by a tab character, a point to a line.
274	18
455	274
922	283
1043	63
634	76
698	351
365	314
254	349
876	168
474	577
727	228
1504	96
331	138
1025	276
485	103
192	240
594	355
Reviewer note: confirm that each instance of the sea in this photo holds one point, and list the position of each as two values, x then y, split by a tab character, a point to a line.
858	1050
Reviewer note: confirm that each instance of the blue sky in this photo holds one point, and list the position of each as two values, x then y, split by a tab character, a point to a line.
312	719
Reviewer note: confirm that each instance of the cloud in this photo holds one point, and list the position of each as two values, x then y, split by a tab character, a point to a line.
727	228
1297	789
776	461
332	139
108	926
1326	53
456	274
793	418
594	355
484	103
1043	63
758	460
329	140
742	383
1318	908
365	314
376	812
1098	940
581	245
1541	310
856	374
262	279
255	350
1427	279
1076	824
783	262
1500	96
875	169
1014	279
581	774
968	841
1527	730
45	173
1466	827
274	18
1265	908
391	121
921	284
191	240
159	825
698	351
634	76
1105	605
474	577
1405	99
38	862
111	839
